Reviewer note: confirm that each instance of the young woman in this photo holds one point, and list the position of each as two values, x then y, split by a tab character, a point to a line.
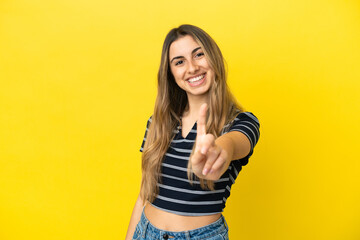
195	144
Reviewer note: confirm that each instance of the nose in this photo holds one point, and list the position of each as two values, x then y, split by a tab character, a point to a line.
193	67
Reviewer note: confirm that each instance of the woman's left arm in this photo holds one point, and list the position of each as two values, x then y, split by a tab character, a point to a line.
237	146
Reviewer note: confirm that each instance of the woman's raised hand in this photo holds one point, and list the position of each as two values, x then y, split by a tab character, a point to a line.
208	158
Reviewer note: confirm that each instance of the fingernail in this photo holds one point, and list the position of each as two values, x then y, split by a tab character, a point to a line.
205	171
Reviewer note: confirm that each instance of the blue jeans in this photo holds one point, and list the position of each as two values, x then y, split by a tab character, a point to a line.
217	230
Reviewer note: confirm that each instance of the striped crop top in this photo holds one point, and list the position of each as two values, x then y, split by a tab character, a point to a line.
176	194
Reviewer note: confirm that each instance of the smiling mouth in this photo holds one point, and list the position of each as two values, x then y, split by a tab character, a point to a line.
196	79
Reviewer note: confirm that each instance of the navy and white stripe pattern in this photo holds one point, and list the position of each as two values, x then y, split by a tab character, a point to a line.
176	194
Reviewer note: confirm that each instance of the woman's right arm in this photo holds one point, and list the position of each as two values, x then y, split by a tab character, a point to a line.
135	218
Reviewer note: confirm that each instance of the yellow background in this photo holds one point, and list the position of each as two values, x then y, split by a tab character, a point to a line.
78	83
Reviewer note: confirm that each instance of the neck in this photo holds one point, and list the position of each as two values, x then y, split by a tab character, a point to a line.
195	103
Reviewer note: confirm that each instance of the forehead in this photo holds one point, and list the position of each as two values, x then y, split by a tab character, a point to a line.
182	46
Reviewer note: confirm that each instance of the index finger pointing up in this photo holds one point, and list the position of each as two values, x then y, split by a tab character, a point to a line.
201	122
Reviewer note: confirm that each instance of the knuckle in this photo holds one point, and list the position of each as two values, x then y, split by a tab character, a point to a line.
212	155
218	150
215	168
215	152
210	136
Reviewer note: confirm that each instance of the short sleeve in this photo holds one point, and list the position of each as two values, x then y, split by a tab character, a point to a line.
248	124
146	131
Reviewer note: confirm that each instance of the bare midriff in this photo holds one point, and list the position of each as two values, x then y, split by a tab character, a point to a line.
176	223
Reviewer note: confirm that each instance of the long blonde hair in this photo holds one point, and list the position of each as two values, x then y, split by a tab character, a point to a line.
171	102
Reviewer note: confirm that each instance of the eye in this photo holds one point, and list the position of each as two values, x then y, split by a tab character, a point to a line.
179	62
200	54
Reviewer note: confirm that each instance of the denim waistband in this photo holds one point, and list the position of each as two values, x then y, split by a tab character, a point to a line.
208	231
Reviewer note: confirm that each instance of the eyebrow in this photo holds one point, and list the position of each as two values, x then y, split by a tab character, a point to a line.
183	56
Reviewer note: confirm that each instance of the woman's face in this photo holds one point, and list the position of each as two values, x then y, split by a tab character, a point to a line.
190	67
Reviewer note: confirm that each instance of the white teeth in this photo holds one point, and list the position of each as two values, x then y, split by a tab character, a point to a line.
196	78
